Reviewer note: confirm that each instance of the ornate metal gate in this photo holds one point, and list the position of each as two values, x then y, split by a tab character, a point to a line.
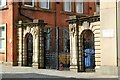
29	42
56	41
87	51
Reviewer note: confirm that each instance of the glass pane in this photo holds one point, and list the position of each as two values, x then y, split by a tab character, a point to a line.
98	6
44	4
2	43
66	42
79	7
67	6
2	32
2	2
28	2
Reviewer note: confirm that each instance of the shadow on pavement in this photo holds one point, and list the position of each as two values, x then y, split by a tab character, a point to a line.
34	76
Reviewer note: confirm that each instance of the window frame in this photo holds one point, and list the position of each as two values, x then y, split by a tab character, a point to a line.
97	6
45	7
33	4
82	2
66	39
4	49
3	3
64	7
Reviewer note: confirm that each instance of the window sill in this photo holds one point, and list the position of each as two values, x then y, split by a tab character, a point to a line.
46	10
2	52
67	13
72	13
3	7
29	6
37	9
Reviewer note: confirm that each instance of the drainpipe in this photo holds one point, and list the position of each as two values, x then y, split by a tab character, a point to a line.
57	35
117	33
77	34
20	13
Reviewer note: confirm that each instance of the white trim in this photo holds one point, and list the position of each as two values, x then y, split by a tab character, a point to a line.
33	4
3	3
4	50
47	5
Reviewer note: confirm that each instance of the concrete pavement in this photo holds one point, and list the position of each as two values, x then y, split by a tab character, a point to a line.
67	74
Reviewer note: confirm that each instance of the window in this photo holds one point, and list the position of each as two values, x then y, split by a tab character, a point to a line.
45	4
2	3
66	40
97	6
67	6
79	7
29	3
2	37
48	39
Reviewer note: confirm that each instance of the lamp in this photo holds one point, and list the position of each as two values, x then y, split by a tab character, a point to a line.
19	23
57	1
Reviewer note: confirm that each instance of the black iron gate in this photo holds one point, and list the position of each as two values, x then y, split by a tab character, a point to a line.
29	41
87	51
56	41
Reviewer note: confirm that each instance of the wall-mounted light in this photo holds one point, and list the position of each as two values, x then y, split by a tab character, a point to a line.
57	1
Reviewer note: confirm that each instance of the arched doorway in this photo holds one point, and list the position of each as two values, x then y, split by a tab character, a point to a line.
29	49
87	51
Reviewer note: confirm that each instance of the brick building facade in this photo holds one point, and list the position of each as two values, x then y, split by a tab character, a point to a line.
52	13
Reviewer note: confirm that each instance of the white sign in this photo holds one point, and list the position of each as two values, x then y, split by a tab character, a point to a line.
108	33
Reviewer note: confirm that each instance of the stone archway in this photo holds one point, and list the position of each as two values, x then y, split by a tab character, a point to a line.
29	49
37	58
75	44
87	50
34	32
95	29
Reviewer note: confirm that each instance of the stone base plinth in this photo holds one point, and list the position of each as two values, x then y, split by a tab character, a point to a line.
8	63
35	65
74	68
108	70
19	63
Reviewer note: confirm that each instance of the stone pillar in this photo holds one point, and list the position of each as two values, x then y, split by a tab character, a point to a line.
41	49
24	52
35	47
73	48
19	37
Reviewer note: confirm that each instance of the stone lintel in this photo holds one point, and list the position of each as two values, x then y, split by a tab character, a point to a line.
81	19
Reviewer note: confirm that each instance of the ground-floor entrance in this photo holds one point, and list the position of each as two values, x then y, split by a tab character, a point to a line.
87	50
29	49
57	48
47	47
60	48
85	46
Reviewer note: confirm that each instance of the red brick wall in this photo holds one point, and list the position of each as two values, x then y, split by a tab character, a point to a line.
11	15
7	18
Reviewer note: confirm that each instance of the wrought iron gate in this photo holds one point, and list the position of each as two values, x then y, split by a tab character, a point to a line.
87	51
29	41
56	41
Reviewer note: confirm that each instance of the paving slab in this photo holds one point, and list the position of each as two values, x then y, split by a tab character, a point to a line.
68	74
